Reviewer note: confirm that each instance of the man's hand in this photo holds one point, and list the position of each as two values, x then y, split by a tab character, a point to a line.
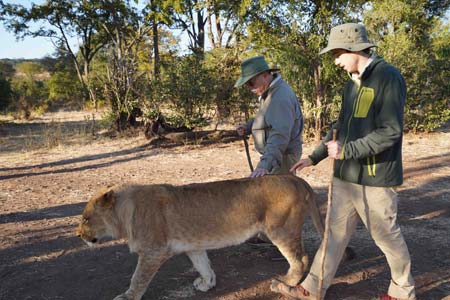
302	163
259	172
334	149
241	129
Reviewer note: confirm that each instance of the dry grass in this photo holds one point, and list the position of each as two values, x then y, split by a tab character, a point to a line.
49	131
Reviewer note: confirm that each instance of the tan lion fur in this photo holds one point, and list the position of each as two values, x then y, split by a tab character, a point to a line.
160	221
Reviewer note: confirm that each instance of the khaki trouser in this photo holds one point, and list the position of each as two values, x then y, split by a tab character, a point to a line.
288	162
377	208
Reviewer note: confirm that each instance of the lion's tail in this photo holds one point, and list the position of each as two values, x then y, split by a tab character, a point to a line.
314	212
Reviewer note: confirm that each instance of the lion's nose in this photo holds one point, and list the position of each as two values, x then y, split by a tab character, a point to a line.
94	240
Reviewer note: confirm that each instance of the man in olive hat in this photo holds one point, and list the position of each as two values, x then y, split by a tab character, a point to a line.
278	125
368	165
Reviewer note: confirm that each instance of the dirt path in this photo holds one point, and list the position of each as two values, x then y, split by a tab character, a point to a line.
43	191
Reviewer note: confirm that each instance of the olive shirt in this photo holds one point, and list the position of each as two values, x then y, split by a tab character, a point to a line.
277	127
370	128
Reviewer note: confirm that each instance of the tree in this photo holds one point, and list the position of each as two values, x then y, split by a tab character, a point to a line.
5	92
412	37
6	69
122	79
190	16
224	21
28	90
29	69
291	34
60	20
64	90
157	13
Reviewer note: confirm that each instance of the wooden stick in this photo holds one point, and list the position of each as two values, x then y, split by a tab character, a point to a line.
327	225
247	152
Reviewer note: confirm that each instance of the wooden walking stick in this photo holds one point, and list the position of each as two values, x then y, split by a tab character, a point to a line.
247	151
327	225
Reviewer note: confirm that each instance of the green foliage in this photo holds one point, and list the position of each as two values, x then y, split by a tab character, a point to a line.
29	69
6	69
65	90
223	68
186	88
27	95
419	45
291	35
129	59
5	93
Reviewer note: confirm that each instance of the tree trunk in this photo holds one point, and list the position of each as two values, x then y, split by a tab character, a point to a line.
319	99
210	31
200	47
156	48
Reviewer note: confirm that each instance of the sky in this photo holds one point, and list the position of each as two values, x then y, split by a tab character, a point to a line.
29	48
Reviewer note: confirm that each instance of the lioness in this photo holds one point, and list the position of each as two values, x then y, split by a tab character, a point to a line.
161	220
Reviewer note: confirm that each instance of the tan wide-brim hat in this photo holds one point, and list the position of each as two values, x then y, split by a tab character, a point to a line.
350	36
252	67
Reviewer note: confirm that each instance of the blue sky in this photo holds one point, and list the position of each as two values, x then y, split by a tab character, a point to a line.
35	47
29	47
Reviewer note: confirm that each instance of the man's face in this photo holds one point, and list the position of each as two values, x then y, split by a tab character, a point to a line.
346	60
259	84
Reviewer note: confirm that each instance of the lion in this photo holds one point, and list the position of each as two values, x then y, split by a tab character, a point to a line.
160	221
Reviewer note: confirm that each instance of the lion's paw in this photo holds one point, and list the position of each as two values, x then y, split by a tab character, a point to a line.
122	297
291	280
203	285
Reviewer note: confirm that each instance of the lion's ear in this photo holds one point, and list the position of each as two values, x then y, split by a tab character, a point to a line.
107	199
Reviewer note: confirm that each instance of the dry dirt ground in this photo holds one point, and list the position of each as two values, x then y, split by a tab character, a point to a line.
49	170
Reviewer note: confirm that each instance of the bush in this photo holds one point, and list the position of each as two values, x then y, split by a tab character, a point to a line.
65	91
5	93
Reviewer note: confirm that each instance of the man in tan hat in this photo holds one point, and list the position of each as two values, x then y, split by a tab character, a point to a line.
278	125
368	154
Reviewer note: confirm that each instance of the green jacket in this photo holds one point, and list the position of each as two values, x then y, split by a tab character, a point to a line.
370	128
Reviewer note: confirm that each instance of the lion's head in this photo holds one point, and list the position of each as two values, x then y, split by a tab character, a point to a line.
94	223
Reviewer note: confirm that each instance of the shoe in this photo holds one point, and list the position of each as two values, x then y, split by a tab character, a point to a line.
297	292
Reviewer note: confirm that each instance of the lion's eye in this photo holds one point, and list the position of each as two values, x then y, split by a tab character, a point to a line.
85	221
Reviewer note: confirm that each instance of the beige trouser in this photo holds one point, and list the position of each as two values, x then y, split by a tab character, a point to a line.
377	208
288	162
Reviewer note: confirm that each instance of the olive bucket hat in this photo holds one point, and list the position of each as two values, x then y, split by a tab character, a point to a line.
350	36
252	67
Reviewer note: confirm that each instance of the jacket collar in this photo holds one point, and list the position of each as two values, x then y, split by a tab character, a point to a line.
368	68
275	82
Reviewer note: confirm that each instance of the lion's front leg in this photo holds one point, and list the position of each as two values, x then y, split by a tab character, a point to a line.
146	268
207	279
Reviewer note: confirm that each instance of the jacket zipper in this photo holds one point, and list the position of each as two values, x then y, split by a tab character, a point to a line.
348	125
371	166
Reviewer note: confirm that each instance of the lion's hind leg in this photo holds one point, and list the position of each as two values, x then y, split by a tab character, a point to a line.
291	247
207	279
